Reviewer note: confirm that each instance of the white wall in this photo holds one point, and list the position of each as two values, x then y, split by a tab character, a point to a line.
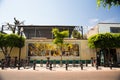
104	27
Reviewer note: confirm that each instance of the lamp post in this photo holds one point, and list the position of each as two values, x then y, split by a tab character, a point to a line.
20	46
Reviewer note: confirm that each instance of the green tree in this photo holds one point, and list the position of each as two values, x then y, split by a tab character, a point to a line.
20	42
59	38
3	44
76	34
8	41
105	41
108	3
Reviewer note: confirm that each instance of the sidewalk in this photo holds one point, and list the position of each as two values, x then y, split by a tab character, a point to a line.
60	73
63	68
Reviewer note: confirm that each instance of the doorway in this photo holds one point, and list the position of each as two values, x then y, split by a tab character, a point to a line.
105	57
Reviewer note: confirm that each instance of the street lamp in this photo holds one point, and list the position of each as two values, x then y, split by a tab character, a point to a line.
20	46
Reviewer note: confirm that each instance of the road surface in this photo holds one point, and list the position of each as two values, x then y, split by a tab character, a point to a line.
59	75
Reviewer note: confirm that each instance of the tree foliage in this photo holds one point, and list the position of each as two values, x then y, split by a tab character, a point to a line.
8	41
108	3
106	40
76	34
59	36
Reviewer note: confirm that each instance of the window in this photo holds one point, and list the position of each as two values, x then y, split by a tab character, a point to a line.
115	29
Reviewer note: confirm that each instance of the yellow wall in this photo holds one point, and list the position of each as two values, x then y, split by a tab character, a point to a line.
15	53
1	55
85	51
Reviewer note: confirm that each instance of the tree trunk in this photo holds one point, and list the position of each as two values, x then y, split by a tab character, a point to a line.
61	56
109	58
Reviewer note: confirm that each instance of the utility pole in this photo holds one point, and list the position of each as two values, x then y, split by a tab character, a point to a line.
81	31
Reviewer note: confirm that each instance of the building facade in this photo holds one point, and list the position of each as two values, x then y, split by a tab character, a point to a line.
104	28
39	45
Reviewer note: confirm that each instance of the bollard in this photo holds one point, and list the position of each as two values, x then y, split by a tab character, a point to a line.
86	63
96	67
8	59
111	66
81	65
66	66
15	62
47	64
41	63
28	61
18	65
48	61
2	64
24	64
34	64
61	63
92	64
73	63
54	63
50	66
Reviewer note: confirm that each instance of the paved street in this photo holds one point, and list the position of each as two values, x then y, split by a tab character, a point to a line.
58	73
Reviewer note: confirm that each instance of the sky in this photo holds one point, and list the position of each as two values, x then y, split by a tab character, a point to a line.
57	12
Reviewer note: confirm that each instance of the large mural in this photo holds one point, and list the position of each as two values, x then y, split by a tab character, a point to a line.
49	49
